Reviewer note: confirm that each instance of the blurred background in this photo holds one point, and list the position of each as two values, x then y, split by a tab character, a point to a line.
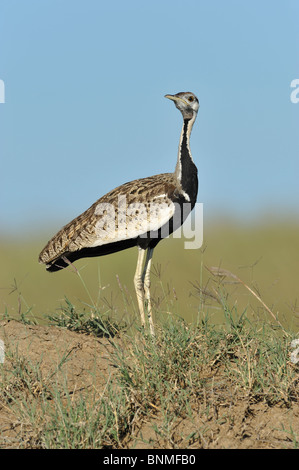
85	112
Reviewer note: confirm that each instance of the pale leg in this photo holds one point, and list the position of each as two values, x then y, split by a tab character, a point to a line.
138	283
147	285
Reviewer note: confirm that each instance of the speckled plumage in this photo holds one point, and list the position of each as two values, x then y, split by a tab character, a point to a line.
158	190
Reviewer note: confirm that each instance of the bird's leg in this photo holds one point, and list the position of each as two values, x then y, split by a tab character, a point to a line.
138	283
147	285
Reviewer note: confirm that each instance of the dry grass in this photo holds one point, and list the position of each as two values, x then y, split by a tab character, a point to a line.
219	373
186	388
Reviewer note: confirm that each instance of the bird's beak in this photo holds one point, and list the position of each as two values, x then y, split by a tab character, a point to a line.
170	97
175	98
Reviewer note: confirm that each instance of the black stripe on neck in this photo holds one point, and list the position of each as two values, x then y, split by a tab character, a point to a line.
189	179
184	145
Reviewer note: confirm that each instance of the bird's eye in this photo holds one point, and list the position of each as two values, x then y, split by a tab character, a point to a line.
190	99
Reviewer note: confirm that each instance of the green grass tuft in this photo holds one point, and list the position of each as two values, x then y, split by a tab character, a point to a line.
82	321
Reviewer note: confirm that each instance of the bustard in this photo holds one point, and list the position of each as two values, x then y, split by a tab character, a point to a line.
139	213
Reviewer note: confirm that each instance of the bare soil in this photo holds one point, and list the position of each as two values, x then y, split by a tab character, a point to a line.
226	421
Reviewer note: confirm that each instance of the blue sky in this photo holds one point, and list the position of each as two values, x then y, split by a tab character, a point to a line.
85	111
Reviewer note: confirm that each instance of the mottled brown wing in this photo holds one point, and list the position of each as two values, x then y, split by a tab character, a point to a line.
126	212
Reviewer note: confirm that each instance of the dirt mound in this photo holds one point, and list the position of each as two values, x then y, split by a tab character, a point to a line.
58	350
52	354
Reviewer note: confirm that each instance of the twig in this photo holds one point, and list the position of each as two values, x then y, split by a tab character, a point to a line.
225	273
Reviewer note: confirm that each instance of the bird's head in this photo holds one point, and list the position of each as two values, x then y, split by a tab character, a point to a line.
186	102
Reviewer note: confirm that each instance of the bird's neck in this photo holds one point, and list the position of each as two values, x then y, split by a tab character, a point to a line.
186	171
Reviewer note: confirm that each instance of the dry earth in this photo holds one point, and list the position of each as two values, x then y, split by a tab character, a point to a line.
231	422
